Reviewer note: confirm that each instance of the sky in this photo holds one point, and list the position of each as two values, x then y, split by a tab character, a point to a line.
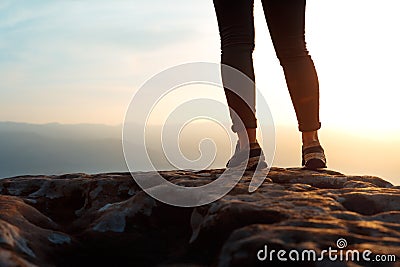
81	61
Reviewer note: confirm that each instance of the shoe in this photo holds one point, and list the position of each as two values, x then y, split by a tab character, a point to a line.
255	158
313	157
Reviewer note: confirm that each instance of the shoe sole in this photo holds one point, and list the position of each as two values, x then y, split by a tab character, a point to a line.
314	164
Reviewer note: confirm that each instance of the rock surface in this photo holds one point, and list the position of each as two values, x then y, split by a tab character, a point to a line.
107	220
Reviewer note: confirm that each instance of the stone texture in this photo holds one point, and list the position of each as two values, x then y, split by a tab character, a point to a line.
107	220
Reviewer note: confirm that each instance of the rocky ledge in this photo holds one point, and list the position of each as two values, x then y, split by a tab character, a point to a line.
107	220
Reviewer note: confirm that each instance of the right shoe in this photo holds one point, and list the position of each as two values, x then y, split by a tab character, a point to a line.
253	155
313	157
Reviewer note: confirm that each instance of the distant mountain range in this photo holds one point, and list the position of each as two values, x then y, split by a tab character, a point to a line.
94	148
91	148
56	148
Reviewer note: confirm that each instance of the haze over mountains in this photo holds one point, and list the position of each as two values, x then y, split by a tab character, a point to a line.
56	148
94	148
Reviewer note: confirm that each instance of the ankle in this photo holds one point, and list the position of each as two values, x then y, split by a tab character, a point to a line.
247	137
310	139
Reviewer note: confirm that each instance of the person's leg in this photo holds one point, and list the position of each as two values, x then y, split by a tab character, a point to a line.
285	19
236	28
286	23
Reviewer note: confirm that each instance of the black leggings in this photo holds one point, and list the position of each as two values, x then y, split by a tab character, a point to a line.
285	19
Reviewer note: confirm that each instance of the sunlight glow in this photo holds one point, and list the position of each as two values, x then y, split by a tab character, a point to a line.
356	59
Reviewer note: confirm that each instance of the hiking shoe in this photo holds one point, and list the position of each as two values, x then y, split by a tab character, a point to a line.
253	155
313	157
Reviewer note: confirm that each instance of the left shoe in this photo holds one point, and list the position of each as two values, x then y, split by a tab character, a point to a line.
313	157
253	155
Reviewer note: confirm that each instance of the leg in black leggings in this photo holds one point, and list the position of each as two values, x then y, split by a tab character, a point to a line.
285	19
236	27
